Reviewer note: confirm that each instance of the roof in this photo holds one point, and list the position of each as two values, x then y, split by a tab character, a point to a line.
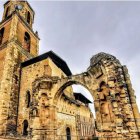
55	58
70	99
82	98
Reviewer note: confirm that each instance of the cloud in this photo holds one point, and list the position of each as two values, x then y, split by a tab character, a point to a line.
78	30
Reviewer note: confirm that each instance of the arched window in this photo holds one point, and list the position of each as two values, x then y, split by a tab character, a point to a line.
27	41
25	128
68	133
28	17
7	11
28	99
1	35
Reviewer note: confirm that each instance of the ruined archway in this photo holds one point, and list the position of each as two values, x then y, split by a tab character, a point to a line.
71	103
69	83
108	82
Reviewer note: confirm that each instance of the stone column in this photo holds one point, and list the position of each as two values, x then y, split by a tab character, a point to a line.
132	101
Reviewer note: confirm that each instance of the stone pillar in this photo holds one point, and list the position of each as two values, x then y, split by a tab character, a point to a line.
132	101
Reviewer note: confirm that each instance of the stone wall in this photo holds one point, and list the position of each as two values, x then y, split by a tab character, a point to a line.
29	75
2	58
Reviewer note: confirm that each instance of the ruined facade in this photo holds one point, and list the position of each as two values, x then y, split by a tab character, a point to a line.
37	99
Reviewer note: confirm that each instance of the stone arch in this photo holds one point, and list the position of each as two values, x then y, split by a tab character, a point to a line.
110	78
107	77
57	102
69	83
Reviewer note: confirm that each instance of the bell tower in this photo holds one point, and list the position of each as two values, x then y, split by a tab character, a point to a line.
18	43
23	8
17	21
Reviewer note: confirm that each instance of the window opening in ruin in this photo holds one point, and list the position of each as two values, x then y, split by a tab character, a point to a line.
25	128
28	99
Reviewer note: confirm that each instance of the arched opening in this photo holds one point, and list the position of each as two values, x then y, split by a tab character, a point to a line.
87	94
87	117
28	99
1	35
25	128
75	99
7	12
68	133
27	41
28	17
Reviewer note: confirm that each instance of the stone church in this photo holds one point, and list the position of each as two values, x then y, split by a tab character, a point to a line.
37	98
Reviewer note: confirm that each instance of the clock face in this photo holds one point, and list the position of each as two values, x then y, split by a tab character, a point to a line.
18	7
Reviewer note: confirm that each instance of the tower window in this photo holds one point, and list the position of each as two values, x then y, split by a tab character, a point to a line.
1	35
28	99
27	41
7	11
28	17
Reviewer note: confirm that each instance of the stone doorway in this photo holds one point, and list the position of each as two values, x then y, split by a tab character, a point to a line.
68	133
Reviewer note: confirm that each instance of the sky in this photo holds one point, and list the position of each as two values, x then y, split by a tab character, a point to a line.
77	30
